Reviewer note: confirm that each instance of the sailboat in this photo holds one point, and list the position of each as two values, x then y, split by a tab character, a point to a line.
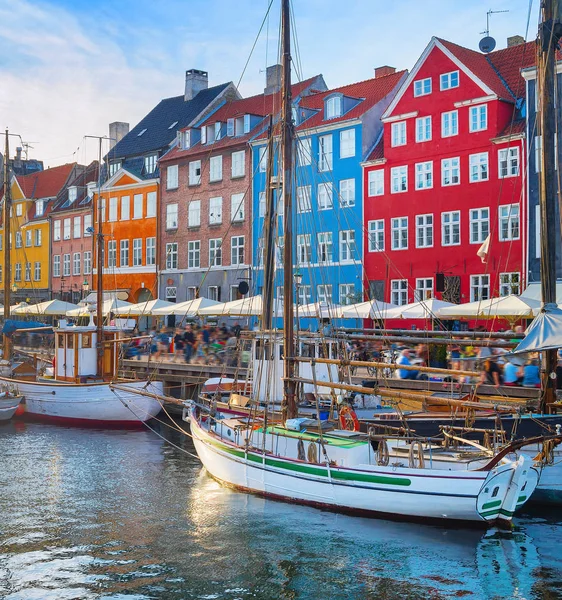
297	460
86	363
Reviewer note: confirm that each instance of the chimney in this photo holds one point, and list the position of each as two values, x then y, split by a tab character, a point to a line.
384	70
515	40
18	153
272	79
117	131
195	81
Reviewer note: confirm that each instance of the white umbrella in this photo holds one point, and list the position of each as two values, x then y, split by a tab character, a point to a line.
372	309
509	307
424	309
320	310
144	308
50	307
107	307
187	309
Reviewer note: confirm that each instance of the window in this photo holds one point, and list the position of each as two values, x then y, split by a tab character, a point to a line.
347	143
325	199
304	295
450	171
347	192
17	274
124	253
87	225
37	271
510	283
508	162
450	123
451	228
40	207
66	231
400	233
237	250
424	231
263	159
478	118
423	129
38	240
247	123
538	153
77	227
399	291
233	294
19	209
478	167
195	172
150	164
479	225
333	107
172	177
137	206
304	151
215	211
114	167
422	87
376	183
347	293
237	212
238	163
399	179
261	205
449	80
424	175
171	293
376	235
102	209
213	293
137	252
230	127
56	231
398	134
509	222
172	216
325	157
113	209
215	252
218	128
203	135
125	208
304	202
66	265
347	245
87	263
324	294
28	238
172	255
112	253
76	263
479	287
56	266
424	289
325	247
18	239
304	253
151	251
215	168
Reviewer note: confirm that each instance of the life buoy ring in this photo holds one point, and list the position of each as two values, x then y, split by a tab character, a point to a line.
348	418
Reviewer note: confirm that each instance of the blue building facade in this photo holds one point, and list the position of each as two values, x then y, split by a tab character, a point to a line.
335	132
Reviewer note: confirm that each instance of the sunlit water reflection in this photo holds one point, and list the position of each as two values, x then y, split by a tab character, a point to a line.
123	515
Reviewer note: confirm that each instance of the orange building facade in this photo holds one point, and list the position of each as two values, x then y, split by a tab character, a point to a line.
129	208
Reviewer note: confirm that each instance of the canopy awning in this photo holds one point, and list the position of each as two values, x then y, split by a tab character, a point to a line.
144	308
423	309
189	309
50	307
320	310
107	307
372	309
544	333
533	291
507	307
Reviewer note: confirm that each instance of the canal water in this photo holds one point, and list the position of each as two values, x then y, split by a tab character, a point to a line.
125	515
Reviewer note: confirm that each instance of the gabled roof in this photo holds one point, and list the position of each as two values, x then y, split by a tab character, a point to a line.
516	128
377	153
46	184
370	92
176	113
81	181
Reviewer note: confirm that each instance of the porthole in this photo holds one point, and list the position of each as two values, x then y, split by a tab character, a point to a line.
495	492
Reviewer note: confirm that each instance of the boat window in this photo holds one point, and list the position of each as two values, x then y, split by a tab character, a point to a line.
70	341
86	340
61	341
495	492
281	352
308	350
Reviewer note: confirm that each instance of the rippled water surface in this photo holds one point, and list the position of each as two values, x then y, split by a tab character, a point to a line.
124	515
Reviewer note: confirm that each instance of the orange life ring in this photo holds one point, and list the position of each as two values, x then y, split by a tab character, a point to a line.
348	418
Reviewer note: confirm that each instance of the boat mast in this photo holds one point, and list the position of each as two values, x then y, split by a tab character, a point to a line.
269	236
99	289
289	395
550	31
7	246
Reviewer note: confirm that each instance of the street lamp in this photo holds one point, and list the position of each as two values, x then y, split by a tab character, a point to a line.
14	288
85	287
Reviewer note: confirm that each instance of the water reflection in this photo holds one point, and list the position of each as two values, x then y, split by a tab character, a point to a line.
90	514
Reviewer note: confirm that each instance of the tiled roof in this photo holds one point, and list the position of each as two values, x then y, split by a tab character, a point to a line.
510	61
370	91
158	135
85	176
45	184
515	128
378	151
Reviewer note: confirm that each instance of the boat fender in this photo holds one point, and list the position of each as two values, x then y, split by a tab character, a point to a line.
312	453
382	454
416	461
348	418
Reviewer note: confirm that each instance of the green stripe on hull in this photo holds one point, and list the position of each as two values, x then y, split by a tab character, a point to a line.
491	504
495	513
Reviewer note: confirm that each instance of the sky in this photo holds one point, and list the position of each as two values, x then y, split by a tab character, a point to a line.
70	67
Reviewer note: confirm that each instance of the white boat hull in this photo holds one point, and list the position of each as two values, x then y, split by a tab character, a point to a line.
380	491
8	407
90	404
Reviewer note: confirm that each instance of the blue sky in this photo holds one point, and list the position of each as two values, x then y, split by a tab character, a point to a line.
69	67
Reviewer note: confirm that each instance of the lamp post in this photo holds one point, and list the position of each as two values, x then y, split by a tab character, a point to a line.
85	288
14	290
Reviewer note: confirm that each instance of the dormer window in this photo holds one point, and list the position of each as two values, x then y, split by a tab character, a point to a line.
203	135
185	139
72	192
295	113
218	126
239	126
91	189
150	164
230	128
246	123
114	167
333	107
40	205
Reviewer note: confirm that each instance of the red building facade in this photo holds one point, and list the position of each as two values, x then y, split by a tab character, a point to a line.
446	176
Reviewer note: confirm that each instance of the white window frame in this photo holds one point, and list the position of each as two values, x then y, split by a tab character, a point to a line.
347	246
424	289
479	167
238	164
479	287
304	249
479	224
88	262
509	222
66	265
172	255
449	123
325	247
137	252
111	254
125	208
237	250
172	177
450	168
215	168
304	198
424	231
67	229
375	180
399	291
171	216
150	253
448	81
422	87
76	263
56	265
347	143
215	252
325	196
56	231
399	179
138	202
304	151
398	135
333	107
399	227
346	293
150	204
451	228
215	210
195	172
510	283
424	175
325	153
508	162
324	293
347	192
237	208
423	129
37	271
376	235
478	118
194	214
124	256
